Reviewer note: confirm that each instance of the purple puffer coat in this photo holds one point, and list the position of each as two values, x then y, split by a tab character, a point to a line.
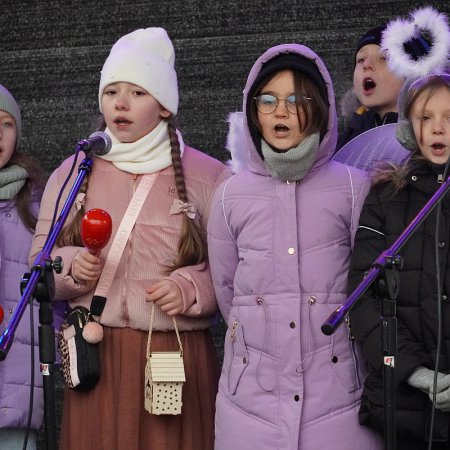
15	370
279	255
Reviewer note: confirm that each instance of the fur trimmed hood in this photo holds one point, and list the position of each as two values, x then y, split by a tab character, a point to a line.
239	141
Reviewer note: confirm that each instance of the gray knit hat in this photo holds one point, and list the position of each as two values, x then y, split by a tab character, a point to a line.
8	103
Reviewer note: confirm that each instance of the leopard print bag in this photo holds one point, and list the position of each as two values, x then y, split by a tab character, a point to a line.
80	359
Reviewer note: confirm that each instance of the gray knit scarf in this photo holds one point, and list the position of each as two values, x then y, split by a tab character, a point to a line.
12	179
293	164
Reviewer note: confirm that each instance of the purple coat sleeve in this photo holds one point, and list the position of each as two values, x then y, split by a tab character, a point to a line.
223	252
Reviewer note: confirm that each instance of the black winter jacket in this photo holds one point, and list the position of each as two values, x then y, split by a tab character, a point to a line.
384	216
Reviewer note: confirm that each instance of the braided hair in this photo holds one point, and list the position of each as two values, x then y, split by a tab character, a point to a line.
192	247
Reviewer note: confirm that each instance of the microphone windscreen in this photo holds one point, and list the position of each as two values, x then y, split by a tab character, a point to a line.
105	146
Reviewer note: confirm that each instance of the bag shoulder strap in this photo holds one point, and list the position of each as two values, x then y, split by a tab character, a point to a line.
119	242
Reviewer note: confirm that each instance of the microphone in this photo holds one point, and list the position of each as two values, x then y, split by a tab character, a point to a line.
98	143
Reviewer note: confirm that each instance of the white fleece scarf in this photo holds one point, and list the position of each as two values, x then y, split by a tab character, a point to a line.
149	154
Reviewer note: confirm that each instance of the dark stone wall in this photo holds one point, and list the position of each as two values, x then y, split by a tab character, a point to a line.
52	52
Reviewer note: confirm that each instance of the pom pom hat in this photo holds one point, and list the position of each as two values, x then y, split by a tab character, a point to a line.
144	57
9	104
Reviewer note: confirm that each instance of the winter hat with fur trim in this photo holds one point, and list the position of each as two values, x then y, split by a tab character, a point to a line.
144	57
8	103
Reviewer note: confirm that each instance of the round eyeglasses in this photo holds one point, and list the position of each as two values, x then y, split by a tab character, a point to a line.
267	103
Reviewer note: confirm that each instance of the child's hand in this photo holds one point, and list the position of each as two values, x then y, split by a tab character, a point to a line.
167	295
86	267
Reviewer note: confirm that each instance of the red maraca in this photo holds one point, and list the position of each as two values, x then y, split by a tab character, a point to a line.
96	227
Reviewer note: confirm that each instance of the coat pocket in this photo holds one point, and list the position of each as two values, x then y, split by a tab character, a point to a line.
239	355
344	361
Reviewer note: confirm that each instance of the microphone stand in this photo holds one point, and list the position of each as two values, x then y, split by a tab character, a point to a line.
40	284
387	263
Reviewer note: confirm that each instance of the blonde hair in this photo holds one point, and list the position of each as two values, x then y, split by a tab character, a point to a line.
397	173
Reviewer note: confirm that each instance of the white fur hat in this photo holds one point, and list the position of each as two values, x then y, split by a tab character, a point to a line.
144	57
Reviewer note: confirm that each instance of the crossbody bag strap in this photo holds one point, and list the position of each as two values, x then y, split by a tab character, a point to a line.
119	242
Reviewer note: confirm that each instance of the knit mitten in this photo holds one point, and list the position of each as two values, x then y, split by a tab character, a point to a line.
423	378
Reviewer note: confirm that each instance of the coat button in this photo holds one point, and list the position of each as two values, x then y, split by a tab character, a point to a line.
441	244
296	397
414	178
8	214
334	359
292	325
291	250
244	360
444	297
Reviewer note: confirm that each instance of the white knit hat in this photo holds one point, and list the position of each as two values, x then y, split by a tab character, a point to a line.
144	57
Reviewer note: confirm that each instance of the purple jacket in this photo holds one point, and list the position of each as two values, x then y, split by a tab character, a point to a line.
15	370
279	255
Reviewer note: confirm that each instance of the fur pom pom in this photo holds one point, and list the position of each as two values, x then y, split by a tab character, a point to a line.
93	332
399	32
235	144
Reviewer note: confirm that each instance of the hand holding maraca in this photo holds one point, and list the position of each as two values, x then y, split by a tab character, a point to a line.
96	228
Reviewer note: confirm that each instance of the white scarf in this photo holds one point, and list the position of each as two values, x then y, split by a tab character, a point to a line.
149	154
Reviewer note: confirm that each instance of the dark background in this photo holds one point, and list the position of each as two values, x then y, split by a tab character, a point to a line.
51	54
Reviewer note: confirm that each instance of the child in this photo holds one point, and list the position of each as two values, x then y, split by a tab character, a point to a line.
280	236
164	262
398	194
375	87
21	184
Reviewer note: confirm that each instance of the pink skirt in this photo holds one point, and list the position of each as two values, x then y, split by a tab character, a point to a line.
112	416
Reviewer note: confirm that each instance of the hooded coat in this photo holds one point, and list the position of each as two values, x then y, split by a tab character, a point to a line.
279	254
15	370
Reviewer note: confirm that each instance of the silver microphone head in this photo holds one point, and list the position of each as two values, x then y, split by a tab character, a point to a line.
100	143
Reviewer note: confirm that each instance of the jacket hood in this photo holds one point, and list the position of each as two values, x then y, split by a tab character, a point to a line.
243	148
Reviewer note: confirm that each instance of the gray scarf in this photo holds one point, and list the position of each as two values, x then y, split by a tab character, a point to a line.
293	164
12	179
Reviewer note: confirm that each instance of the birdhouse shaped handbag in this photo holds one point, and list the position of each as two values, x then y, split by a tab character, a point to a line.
164	377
